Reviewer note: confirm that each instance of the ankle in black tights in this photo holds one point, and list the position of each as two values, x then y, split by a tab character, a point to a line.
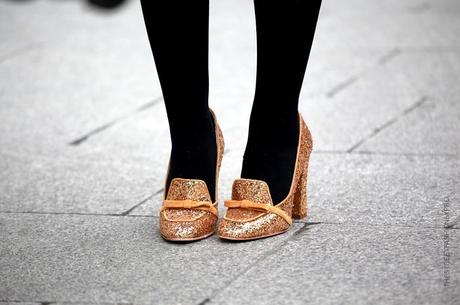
194	151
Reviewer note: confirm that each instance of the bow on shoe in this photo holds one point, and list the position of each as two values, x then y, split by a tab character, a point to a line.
250	205
189	204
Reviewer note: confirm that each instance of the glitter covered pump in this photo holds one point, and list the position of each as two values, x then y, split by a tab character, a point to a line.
251	212
188	213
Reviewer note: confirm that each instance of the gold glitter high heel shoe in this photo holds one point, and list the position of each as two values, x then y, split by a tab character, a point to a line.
188	213
251	213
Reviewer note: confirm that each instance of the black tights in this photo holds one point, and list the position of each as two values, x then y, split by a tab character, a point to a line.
178	33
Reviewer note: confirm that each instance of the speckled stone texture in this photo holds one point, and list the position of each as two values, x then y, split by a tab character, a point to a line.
334	264
110	259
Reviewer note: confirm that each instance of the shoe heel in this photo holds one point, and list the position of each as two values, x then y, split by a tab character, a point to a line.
221	145
299	210
300	207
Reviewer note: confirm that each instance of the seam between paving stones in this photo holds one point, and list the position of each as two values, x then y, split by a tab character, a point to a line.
389	56
383	60
136	205
299	232
260	259
125	213
105	126
341	86
128	212
215	291
390	122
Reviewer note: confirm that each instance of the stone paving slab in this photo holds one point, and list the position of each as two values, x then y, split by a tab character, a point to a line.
328	71
85	97
433	128
430	71
335	264
82	70
80	185
109	173
71	258
430	125
339	124
143	135
379	189
411	72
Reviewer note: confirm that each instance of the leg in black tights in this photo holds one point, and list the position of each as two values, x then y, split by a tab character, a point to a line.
178	34
285	30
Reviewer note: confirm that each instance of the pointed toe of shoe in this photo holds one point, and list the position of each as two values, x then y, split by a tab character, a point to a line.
261	227
188	230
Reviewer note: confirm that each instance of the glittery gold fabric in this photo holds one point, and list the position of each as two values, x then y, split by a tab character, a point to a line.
187	224
246	224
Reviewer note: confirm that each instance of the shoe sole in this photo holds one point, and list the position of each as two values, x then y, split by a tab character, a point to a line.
186	239
252	238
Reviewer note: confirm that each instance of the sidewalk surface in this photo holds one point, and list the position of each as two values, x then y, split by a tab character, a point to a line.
84	147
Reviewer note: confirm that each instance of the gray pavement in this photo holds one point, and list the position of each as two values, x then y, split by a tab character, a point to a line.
84	148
